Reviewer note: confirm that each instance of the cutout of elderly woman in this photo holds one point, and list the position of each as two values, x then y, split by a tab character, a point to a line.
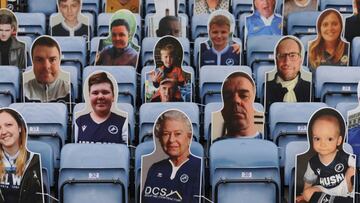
20	169
329	48
176	176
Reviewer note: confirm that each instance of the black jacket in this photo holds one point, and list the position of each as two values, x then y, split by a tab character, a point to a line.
275	92
30	182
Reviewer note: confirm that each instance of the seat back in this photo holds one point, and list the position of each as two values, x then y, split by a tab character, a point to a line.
9	85
302	23
31	24
94	173
242	169
73	51
46	122
334	84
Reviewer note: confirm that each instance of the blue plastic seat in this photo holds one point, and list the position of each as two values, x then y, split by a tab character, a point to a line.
199	26
125	77
334	84
38	6
73	51
31	24
211	79
343	6
47	122
91	6
150	6
241	169
9	85
261	53
149	112
355	51
344	107
240	7
47	162
74	81
94	173
302	23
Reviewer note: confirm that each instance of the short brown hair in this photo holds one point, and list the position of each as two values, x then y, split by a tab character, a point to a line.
98	78
219	20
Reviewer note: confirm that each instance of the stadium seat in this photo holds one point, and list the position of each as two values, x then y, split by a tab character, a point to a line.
241	169
75	82
31	24
47	162
149	112
91	6
125	77
240	7
104	24
147	69
121	106
94	173
196	55
146	148
9	85
260	80
199	26
28	42
334	84
47	122
344	107
305	41
94	46
211	79
288	122
302	23
150	6
355	51
38	6
73	51
148	46
343	6
241	26
261	53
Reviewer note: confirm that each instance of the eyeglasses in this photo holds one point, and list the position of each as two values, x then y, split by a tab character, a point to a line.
292	56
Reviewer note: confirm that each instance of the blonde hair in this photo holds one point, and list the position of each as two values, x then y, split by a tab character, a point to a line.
22	157
317	49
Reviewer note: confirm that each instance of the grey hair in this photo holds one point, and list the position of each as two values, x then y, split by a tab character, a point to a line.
172	115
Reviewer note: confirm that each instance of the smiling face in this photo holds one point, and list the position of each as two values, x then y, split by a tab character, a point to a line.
238	112
265	7
69	10
6	31
120	36
167	57
9	133
101	98
330	27
46	63
288	59
326	136
219	35
175	139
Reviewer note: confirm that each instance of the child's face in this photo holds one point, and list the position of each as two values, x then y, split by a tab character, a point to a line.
326	137
166	58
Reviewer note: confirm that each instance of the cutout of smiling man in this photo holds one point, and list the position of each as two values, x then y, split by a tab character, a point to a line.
263	21
121	52
47	86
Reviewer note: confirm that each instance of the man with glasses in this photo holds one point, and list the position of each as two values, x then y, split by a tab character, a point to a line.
287	85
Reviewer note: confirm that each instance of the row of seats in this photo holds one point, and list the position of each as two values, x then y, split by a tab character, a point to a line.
104	170
332	84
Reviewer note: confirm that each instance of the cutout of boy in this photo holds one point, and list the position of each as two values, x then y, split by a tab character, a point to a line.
12	50
169	70
72	23
220	49
329	173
